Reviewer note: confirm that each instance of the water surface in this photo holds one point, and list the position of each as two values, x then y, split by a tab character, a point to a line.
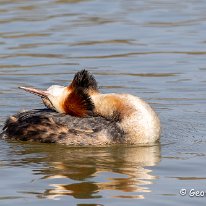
153	49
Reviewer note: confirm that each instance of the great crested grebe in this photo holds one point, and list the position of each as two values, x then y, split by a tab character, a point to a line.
79	114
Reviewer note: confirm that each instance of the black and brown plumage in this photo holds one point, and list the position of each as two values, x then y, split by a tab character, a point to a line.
45	125
79	114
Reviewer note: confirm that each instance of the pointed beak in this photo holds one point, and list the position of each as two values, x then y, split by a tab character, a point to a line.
38	92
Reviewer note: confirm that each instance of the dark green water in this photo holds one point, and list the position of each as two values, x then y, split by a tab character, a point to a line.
153	49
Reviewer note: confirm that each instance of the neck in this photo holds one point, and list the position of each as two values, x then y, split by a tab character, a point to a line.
110	106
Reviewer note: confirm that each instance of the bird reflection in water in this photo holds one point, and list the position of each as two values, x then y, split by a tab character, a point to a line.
84	173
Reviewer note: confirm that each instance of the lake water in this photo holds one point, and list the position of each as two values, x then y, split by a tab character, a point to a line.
153	49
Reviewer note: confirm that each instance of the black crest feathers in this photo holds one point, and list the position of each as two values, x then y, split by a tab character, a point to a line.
84	79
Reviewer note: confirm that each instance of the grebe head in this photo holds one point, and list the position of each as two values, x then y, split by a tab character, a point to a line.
52	97
56	90
56	94
74	99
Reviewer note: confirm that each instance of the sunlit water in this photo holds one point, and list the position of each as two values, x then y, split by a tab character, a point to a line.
153	49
